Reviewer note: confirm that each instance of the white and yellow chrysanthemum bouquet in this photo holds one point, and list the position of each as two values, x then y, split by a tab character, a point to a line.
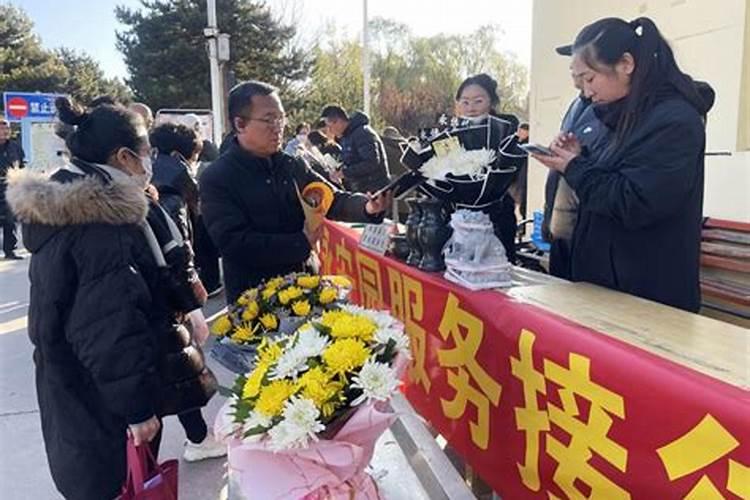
263	309
315	398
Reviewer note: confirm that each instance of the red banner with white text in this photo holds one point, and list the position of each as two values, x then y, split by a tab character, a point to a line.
541	407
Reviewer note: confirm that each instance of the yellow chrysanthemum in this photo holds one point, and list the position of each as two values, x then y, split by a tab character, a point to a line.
275	283
344	355
329	318
328	295
269	321
273	396
243	333
248	296
308	282
252	385
267	293
301	308
346	325
317	386
289	294
222	326
340	281
251	311
268	352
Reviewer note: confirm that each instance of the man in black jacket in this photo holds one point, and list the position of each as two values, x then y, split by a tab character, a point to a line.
11	156
249	195
363	154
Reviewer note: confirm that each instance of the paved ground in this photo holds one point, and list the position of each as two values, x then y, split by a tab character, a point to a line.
24	473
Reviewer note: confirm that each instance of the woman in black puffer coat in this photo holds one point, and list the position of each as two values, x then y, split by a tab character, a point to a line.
100	312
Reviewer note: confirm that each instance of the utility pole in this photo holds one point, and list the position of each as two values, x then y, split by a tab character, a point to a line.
218	52
366	57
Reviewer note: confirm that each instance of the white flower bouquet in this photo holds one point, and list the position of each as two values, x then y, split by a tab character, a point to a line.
464	161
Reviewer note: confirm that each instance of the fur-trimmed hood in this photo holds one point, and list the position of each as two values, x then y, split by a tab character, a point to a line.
67	198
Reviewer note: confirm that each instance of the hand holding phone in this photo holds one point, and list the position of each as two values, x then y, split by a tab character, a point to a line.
536	149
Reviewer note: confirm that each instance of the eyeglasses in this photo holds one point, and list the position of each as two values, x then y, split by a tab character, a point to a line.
152	153
279	121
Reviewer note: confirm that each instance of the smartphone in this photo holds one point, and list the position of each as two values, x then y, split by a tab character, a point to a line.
401	184
537	149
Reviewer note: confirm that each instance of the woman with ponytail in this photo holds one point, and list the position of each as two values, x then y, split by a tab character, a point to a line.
641	200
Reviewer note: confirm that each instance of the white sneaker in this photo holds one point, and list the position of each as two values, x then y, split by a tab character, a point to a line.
209	448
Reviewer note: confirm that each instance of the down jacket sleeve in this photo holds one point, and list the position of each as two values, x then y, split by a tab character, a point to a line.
108	327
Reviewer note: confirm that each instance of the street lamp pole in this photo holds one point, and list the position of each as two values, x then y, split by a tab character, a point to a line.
217	87
366	58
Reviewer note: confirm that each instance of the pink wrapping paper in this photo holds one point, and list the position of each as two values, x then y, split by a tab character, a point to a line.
328	469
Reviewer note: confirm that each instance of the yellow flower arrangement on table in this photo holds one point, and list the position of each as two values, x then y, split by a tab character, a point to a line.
304	382
278	302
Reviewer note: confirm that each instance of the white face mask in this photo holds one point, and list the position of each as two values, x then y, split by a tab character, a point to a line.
148	171
475	120
144	178
301	137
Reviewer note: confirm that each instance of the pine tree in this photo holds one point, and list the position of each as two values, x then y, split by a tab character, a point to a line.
165	49
26	66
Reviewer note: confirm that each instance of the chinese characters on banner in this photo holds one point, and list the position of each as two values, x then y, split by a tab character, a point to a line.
543	408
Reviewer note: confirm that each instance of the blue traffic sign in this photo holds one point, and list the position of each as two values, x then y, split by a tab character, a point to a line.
22	105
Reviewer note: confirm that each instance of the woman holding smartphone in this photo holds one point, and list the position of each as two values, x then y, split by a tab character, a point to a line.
641	200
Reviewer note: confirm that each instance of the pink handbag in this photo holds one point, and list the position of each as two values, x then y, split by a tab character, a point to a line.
147	479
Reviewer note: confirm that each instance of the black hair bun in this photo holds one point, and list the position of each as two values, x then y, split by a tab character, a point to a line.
488	81
69	112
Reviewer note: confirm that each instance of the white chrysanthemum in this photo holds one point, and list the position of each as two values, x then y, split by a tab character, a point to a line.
377	381
299	426
458	162
310	342
381	318
353	309
290	364
253	421
384	335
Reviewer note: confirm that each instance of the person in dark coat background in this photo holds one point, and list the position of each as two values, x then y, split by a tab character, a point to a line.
249	195
206	255
208	150
177	147
324	140
11	156
92	312
365	167
641	200
394	144
322	156
519	187
560	201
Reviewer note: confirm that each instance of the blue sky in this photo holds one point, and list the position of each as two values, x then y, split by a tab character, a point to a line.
87	25
90	25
